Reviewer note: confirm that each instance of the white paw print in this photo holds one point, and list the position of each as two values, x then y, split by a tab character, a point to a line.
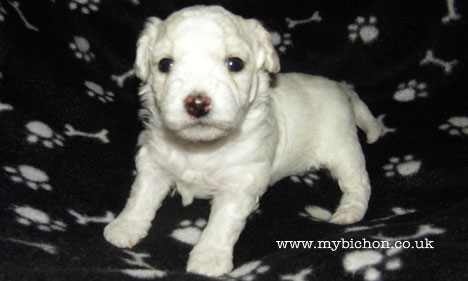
248	271
283	42
404	167
188	231
369	262
374	259
80	46
85	6
456	126
39	132
29	216
96	91
308	178
364	29
28	175
410	91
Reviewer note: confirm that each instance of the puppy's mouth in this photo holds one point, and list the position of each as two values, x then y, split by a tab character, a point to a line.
202	124
201	130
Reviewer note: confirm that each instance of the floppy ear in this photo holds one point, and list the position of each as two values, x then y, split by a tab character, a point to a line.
144	44
265	51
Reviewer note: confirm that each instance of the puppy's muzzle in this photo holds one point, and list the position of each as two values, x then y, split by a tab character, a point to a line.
197	105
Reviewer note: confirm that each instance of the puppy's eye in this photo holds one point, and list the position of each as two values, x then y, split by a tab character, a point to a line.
234	64
165	65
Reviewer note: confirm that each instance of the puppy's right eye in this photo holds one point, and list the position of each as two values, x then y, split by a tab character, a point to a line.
165	65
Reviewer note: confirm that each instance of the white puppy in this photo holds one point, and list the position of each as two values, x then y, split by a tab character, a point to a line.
216	128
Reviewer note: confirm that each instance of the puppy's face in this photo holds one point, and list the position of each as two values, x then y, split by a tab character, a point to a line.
203	65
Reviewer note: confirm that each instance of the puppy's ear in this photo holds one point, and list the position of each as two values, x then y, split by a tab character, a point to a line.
144	45
266	53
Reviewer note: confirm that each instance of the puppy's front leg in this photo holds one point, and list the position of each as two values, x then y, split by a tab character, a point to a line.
148	191
212	255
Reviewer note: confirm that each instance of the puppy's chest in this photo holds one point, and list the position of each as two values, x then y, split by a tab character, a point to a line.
198	176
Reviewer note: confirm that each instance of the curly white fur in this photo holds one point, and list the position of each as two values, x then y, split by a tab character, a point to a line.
253	135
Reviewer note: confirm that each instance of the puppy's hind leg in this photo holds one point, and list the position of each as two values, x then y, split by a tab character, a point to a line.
148	191
348	168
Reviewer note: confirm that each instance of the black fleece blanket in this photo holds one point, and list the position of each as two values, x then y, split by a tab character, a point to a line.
69	125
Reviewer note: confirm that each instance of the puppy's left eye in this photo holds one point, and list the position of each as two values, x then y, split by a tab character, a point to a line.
165	65
234	64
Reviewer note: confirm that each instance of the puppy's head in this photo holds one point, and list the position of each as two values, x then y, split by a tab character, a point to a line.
204	67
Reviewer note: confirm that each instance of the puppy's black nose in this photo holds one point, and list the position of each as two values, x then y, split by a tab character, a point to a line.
197	105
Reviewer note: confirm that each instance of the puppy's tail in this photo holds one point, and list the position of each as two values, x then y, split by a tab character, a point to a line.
364	118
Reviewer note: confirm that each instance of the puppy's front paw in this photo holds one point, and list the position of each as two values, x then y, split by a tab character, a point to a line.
210	262
125	233
347	215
